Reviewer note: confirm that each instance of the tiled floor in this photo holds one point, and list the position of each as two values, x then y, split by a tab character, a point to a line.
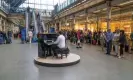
16	63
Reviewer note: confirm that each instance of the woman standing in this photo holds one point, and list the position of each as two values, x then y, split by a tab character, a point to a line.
102	40
81	38
122	42
78	39
30	34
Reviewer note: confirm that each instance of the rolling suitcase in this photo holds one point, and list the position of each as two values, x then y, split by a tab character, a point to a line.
8	41
113	48
126	48
94	42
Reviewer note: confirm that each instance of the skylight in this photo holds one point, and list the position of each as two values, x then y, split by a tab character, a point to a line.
41	4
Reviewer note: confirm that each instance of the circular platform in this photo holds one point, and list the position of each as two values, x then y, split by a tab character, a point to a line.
54	62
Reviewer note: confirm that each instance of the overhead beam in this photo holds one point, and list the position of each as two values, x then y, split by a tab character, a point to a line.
38	4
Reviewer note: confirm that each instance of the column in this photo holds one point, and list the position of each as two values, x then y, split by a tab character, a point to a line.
86	23
108	13
100	24
55	25
132	24
60	25
4	26
13	26
48	27
73	24
0	24
97	21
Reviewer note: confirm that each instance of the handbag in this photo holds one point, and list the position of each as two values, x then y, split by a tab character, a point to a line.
78	41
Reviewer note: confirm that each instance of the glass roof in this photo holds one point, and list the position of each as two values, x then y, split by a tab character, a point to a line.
41	4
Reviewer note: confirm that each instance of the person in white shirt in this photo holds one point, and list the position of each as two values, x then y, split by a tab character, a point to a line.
59	43
30	34
116	43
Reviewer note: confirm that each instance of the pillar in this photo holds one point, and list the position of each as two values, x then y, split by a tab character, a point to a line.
100	24
73	24
86	23
4	26
60	25
55	26
48	27
0	24
132	24
108	13
97	22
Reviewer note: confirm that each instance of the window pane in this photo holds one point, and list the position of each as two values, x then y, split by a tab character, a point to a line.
43	4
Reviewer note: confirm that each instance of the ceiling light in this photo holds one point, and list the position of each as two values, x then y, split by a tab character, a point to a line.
82	15
126	3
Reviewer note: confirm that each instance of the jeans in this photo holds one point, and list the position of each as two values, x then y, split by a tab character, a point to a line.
54	48
30	39
109	47
102	44
116	49
121	49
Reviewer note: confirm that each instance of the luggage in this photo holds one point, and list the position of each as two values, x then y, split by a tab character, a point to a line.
27	40
71	39
8	41
126	48
104	44
113	48
99	42
94	42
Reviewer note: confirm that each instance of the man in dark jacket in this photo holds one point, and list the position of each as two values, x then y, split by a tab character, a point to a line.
122	42
5	37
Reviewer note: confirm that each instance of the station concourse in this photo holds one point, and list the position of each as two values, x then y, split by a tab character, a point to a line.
30	28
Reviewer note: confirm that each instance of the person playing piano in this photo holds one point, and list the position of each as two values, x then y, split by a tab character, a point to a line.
59	43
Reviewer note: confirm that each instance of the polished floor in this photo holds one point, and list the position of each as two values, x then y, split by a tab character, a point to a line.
16	63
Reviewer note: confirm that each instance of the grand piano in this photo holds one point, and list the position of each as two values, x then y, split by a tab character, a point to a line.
45	41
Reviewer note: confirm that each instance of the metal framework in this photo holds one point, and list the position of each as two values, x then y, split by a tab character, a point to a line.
14	5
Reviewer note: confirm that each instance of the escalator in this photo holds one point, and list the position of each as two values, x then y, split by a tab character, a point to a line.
34	19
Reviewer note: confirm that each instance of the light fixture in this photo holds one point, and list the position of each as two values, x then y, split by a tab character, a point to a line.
67	24
126	3
83	1
132	12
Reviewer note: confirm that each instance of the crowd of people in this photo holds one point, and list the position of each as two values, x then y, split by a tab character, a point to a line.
5	37
116	41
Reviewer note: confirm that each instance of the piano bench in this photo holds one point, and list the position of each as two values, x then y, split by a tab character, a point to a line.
62	52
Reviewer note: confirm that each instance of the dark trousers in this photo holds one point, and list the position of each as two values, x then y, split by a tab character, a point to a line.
121	49
109	47
89	40
54	48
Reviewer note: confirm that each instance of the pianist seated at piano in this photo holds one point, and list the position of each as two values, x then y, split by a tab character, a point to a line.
59	43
